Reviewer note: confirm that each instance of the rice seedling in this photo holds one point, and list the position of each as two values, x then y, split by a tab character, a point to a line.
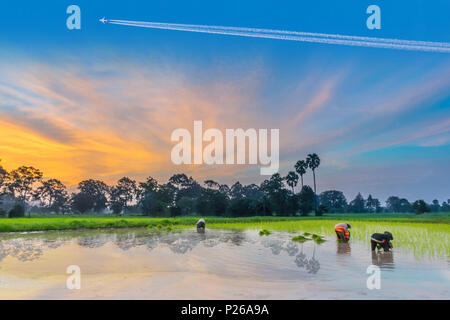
300	238
264	232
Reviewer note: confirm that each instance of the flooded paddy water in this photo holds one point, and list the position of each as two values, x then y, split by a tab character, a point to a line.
218	264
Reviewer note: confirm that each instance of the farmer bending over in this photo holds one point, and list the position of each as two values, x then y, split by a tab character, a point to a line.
342	231
381	240
201	225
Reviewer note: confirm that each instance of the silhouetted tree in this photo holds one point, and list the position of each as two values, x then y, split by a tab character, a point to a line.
158	201
17	211
306	199
334	200
184	187
377	205
225	190
3	176
211	200
186	205
393	204
150	185
357	205
211	184
291	179
20	181
313	162
276	194
435	206
321	210
252	191
121	195
236	191
243	207
445	207
81	202
52	195
372	204
300	168
97	191
405	206
420	206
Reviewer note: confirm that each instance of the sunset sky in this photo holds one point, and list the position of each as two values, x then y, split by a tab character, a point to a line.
102	102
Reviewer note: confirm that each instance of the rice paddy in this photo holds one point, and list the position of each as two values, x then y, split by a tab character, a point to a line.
426	235
423	239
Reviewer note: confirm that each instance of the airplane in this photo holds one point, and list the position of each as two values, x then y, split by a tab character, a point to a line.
103	20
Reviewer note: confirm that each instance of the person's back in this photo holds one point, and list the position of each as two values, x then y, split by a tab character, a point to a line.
381	239
201	224
342	231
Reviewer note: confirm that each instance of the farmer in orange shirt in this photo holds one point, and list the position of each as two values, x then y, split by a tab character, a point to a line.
342	231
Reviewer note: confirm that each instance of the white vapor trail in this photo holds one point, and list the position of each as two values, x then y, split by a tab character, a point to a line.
296	36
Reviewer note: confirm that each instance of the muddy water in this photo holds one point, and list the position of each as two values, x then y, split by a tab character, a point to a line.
219	264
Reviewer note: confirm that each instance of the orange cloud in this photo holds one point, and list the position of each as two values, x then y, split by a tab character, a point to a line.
74	125
94	154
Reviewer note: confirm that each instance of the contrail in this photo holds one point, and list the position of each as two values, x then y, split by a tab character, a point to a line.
295	36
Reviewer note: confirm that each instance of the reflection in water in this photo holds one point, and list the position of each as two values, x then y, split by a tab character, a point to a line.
32	246
343	248
92	241
312	265
277	246
384	260
20	249
218	264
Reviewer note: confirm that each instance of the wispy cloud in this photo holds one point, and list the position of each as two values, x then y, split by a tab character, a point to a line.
75	125
115	118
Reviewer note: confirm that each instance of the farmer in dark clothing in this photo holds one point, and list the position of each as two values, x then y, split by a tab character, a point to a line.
381	240
201	225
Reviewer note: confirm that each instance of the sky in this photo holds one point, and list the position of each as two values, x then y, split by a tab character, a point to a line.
102	102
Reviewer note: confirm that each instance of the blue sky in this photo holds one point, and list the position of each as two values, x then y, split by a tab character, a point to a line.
379	118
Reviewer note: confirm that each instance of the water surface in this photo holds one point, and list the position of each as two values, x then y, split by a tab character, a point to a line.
219	264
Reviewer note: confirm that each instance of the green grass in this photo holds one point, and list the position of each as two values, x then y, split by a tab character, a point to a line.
68	222
41	224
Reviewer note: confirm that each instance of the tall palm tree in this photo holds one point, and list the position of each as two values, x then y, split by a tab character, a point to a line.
291	179
313	162
301	167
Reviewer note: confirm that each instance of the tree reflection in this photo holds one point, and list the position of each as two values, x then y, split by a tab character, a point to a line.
32	247
300	259
21	249
311	265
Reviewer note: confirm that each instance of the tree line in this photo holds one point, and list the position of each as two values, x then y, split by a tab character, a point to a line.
183	195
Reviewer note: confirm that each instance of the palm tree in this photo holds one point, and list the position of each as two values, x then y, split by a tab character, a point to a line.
313	162
291	179
301	167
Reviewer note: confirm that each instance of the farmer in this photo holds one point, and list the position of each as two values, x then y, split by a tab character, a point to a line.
201	225
342	231
381	240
